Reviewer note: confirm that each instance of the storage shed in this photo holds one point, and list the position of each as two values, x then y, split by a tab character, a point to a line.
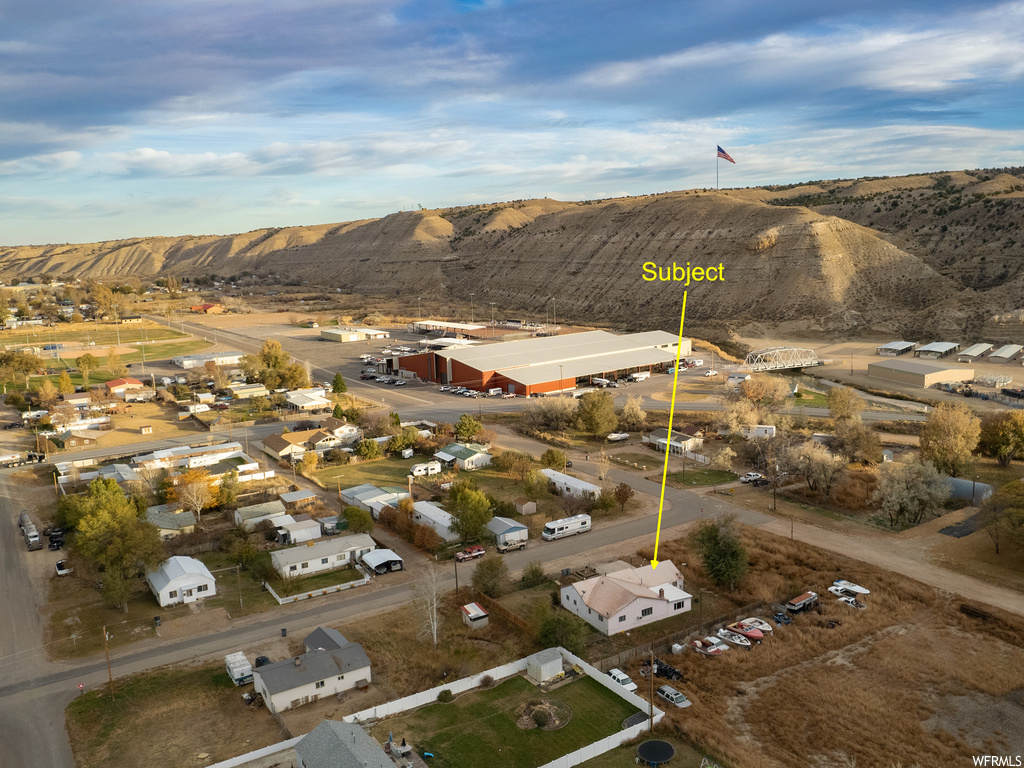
1005	353
544	665
474	616
936	349
973	352
382	561
895	348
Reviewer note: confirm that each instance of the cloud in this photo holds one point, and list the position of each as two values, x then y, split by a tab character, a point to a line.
41	164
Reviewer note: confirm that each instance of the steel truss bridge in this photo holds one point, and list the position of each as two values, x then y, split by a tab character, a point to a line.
778	358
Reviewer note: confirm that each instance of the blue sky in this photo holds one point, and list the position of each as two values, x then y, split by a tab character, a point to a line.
170	117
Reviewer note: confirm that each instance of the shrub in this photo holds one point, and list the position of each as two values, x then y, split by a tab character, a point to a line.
540	717
533	574
486	682
445	696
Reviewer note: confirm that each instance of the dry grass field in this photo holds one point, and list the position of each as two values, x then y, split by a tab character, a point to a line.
911	680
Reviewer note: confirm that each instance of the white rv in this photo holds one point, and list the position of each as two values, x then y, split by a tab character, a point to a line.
569	526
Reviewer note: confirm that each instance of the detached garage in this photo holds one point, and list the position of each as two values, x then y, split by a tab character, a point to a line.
917	373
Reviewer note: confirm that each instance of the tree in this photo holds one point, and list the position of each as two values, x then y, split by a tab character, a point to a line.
428	596
741	413
515	463
535	485
467	427
404	437
227	491
368	450
194	489
843	403
64	385
1002	515
47	393
114	365
723	555
565	630
86	364
338	385
723	460
491	576
603	465
471	511
623	493
633	415
766	395
949	438
557	413
308	462
909	492
338	412
856	441
819	468
596	413
113	537
533	574
553	458
359	520
1002	436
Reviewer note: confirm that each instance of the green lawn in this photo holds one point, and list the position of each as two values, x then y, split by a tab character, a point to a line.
685	757
380	473
100	333
478	729
808	399
650	459
700	477
316	581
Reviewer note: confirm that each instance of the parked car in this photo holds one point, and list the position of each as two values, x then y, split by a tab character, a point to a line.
63	569
622	679
366	376
401	383
760	482
221	406
262	661
470	553
710	373
672	696
751	477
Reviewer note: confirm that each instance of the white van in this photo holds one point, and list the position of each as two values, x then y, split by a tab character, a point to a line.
494	391
640	376
569	526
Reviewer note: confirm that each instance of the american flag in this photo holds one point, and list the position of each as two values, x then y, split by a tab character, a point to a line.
725	156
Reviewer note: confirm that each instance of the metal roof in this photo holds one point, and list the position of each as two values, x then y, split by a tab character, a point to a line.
914	366
176	568
500	525
592	366
333	546
1007	351
569	481
898	345
379	557
938	346
975	350
548	350
293	496
440	324
267	508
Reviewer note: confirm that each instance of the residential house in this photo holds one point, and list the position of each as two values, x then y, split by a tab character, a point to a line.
373	499
289	446
432	516
307	402
567	485
623	600
117	387
248	391
181	580
347	433
335	665
170	520
686	439
250	516
332	744
207	309
467	456
81	439
79	400
327	555
130	320
757	430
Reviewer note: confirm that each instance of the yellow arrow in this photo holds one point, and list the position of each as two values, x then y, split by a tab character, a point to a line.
668	442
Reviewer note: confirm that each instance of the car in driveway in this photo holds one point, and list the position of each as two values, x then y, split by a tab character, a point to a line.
710	373
672	696
262	661
751	477
401	383
63	569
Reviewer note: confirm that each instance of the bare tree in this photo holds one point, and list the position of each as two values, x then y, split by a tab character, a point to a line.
603	466
633	414
428	594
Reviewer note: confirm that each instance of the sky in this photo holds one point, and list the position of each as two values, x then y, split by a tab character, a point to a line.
121	118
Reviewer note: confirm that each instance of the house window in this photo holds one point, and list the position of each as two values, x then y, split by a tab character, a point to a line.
305	565
321	684
202	588
600	618
622	618
293	568
574	601
678	606
173	593
646	612
323	561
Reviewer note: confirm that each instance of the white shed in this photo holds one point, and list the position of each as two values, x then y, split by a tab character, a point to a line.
544	665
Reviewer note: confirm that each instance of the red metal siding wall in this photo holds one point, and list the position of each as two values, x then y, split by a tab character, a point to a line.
418	364
467	376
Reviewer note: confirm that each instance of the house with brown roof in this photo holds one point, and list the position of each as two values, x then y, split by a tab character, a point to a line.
632	597
288	446
207	309
117	387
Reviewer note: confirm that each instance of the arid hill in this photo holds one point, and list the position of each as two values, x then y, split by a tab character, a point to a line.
933	254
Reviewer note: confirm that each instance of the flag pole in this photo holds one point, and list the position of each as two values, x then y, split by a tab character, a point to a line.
716	169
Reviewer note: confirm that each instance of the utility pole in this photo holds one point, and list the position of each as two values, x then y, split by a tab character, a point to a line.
238	575
472	308
106	649
492	318
650	678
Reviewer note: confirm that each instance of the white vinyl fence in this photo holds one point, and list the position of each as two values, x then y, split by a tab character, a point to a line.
319	592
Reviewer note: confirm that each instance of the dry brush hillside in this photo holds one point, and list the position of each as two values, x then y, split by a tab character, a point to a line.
936	252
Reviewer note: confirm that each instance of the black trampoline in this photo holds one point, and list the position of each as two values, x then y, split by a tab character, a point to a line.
655	752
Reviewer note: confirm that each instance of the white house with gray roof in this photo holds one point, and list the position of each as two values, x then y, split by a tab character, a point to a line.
171	520
332	744
254	514
330	666
567	485
335	552
181	580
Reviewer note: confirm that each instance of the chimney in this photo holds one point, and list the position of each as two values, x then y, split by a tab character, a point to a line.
661	593
298	661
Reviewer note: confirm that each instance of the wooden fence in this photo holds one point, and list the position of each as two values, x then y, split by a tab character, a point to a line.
493	606
664	644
